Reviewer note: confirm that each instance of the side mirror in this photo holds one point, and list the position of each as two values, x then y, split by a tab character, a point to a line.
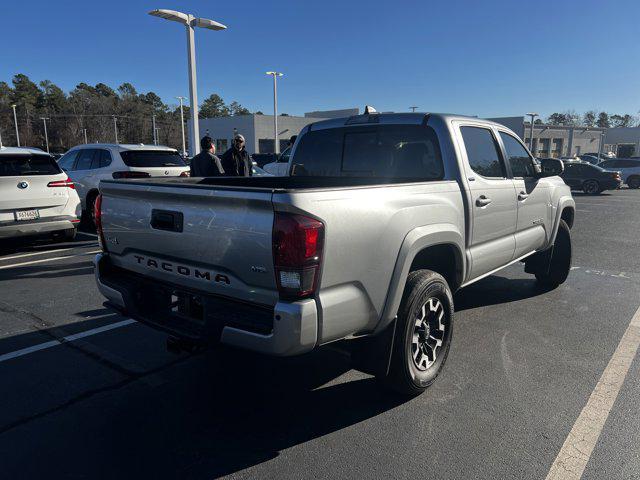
550	167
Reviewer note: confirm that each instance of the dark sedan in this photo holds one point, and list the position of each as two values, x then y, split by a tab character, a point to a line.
591	179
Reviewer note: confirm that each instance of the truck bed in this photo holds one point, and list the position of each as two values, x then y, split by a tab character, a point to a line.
273	184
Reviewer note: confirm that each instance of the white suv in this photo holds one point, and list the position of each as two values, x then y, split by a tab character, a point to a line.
90	163
36	196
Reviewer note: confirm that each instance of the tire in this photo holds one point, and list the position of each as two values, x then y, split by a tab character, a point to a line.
558	267
90	210
591	187
423	334
633	182
68	235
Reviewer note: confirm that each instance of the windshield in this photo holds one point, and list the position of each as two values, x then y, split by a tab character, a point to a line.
19	165
152	158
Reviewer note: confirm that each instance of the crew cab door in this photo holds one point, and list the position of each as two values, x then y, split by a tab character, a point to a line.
492	200
532	195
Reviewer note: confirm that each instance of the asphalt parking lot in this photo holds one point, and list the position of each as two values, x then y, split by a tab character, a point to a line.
87	393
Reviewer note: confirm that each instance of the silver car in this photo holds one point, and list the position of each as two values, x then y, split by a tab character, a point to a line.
87	164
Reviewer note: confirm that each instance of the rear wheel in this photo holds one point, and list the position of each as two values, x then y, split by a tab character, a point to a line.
423	333
68	235
556	271
591	187
633	182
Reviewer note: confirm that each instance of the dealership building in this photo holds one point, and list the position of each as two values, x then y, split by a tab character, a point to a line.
258	129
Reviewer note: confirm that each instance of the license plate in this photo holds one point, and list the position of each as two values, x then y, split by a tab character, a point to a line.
27	215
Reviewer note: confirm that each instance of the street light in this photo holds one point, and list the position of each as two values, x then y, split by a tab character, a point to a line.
275	75
190	22
46	137
532	115
15	120
184	148
413	109
155	132
115	127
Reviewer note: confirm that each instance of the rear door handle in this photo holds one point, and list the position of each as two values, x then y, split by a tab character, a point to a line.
483	201
166	220
523	196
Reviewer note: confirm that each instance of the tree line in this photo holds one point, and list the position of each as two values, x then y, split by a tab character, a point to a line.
92	108
592	118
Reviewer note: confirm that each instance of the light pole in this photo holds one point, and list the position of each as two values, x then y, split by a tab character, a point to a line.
115	127
190	22
155	132
15	120
532	115
84	130
602	135
184	147
275	75
413	109
46	137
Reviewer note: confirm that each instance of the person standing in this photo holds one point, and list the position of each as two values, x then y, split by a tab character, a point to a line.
236	161
206	164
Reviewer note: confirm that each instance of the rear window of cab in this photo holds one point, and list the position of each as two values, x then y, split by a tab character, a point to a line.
17	165
408	152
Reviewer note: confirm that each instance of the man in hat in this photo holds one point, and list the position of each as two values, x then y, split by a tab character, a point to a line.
236	161
206	164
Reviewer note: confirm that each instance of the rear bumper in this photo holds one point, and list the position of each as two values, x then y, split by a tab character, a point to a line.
37	227
287	329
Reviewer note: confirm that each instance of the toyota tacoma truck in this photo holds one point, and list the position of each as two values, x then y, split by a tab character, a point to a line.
381	219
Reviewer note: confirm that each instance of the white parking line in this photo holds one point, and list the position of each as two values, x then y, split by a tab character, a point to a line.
42	252
578	447
69	338
3	267
88	234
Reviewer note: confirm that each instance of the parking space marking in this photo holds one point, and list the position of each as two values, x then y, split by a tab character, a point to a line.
69	338
88	234
579	444
15	265
43	252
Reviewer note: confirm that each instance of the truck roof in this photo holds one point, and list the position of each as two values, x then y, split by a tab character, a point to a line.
393	118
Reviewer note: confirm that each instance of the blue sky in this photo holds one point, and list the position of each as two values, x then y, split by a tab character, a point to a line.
486	58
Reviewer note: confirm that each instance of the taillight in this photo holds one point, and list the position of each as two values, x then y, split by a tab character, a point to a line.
297	253
185	174
129	174
62	183
97	208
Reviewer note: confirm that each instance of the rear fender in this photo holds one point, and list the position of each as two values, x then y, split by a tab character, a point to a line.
416	241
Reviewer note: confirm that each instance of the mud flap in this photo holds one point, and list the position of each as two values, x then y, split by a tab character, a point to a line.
372	355
539	262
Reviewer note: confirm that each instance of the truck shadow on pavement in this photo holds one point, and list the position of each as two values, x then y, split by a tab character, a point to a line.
206	415
495	290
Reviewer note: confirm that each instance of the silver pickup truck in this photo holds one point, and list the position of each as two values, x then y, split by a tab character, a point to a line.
381	219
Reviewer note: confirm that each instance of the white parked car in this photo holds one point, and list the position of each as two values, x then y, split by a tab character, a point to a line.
629	169
90	163
36	196
279	168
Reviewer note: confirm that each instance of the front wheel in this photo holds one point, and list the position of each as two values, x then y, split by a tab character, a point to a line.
591	187
423	333
559	266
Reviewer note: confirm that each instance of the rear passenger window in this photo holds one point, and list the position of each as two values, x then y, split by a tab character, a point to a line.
519	160
482	152
103	160
409	152
84	159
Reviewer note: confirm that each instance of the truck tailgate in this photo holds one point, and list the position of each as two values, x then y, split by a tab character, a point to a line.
214	240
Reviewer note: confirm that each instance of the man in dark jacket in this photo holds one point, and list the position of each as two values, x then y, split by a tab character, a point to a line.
236	161
206	164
